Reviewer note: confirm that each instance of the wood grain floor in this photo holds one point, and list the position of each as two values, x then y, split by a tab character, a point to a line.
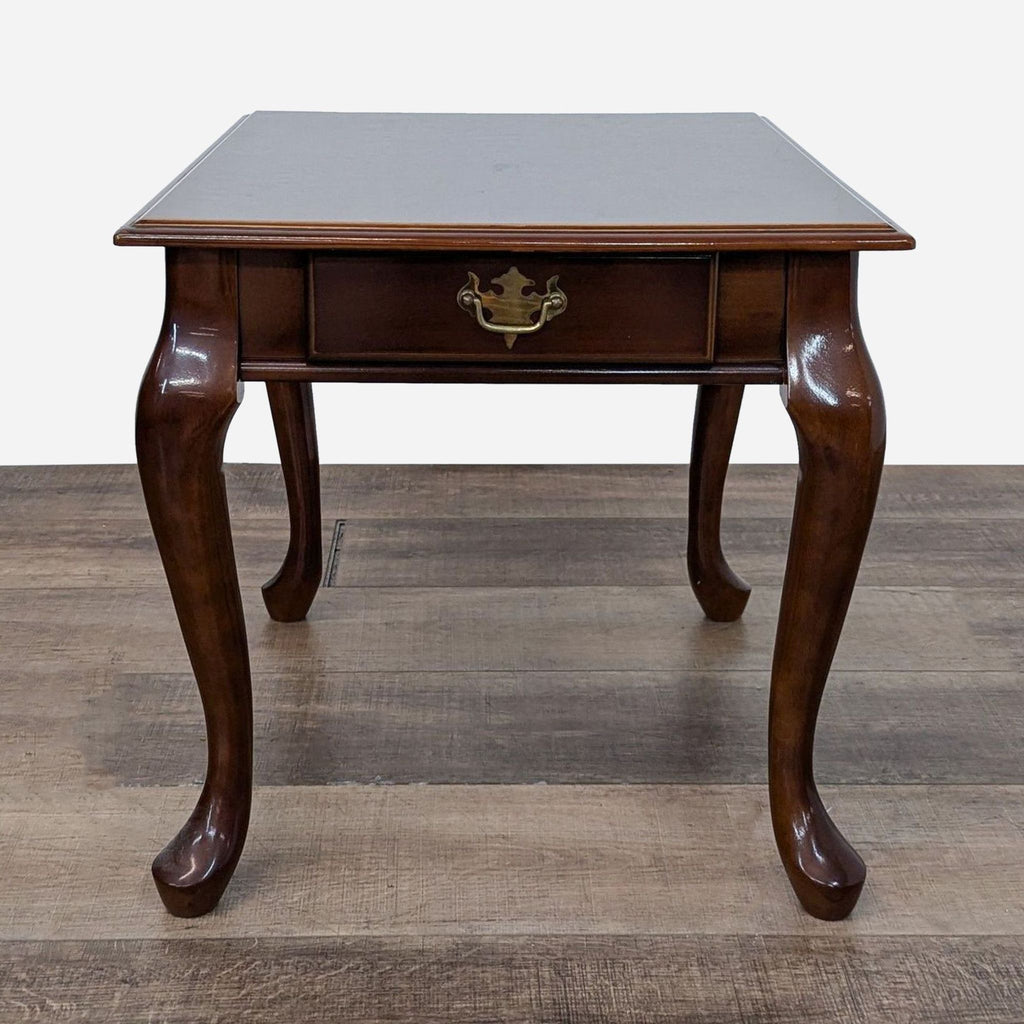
506	771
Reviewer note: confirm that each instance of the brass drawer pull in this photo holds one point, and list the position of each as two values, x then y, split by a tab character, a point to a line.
510	308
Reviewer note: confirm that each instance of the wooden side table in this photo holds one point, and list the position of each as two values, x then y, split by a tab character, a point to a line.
699	248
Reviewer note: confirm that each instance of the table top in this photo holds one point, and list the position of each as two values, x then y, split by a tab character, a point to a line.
548	181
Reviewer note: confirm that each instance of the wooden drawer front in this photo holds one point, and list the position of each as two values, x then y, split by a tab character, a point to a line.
634	310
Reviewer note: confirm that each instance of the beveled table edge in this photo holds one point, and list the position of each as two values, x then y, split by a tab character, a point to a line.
538	238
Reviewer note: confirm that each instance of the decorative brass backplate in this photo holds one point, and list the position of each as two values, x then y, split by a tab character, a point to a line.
511	311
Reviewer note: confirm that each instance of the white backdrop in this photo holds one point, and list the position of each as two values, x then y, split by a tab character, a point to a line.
917	110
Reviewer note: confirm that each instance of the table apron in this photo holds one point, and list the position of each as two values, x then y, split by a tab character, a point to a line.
705	318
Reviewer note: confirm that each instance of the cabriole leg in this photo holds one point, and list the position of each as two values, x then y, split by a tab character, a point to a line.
835	402
719	591
187	399
290	593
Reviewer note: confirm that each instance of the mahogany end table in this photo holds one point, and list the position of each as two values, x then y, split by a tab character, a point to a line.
667	248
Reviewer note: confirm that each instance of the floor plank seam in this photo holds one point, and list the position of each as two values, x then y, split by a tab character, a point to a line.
189	934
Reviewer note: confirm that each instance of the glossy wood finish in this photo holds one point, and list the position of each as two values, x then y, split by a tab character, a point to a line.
580	182
274	293
721	593
835	402
639	217
187	399
289	594
402	308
